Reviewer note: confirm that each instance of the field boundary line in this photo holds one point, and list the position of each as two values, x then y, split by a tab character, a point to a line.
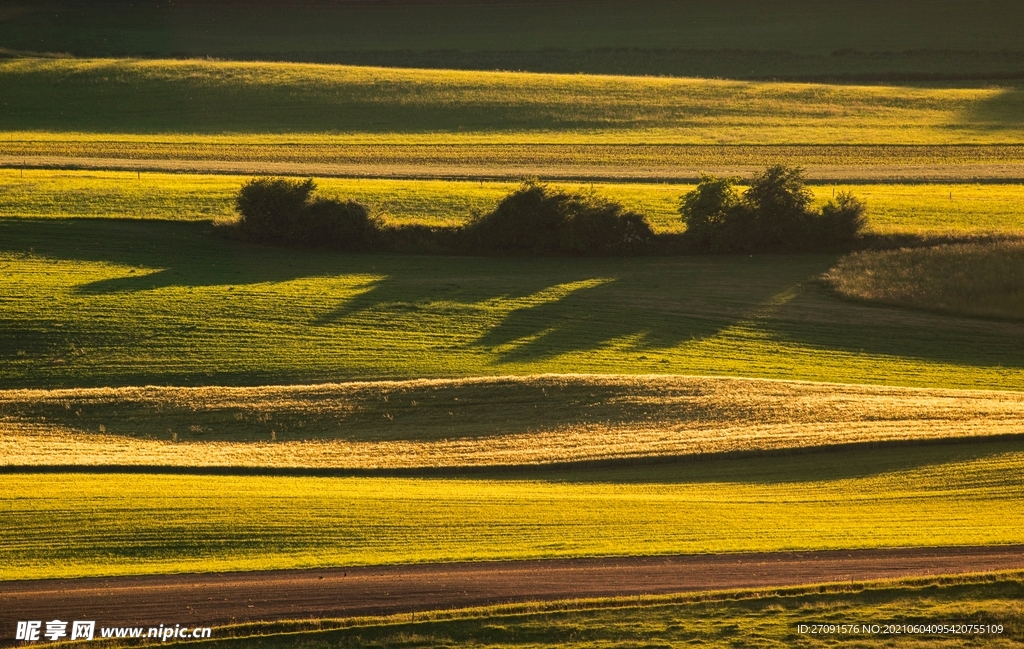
983	173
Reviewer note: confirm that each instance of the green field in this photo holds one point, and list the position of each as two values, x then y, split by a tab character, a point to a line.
931	209
760	619
133	97
116	302
65	525
732	38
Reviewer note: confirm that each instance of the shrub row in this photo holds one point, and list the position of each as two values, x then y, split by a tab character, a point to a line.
277	211
774	214
536	220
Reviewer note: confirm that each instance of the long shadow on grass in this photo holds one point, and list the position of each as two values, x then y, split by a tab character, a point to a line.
520	310
821	464
818	318
545	308
1003	111
163	253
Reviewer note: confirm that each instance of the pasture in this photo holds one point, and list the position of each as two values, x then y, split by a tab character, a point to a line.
99	302
187	99
311	409
66	524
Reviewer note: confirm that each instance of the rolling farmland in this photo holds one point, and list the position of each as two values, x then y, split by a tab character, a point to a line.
292	118
525	422
175	401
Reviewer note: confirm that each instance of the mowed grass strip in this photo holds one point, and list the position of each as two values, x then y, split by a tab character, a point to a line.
921	209
761	619
979	279
504	421
97	302
66	525
207	97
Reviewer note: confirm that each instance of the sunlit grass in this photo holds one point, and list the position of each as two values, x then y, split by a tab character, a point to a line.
504	421
65	525
113	302
892	208
176	97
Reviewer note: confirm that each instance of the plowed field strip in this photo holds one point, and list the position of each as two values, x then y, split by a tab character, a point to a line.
595	170
231	598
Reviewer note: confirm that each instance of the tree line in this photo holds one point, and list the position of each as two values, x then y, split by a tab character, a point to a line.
774	214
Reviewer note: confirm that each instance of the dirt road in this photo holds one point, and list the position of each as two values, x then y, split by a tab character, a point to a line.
503	170
215	599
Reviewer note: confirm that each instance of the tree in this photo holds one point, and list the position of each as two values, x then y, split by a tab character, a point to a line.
774	214
706	210
282	211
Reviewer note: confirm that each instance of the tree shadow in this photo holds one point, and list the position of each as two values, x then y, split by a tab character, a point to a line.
818	318
544	308
1003	111
787	466
508	310
163	254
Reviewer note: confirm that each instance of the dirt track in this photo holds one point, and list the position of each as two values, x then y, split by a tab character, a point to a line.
215	599
855	173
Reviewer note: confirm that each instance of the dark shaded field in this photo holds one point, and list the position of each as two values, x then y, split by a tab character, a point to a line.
866	40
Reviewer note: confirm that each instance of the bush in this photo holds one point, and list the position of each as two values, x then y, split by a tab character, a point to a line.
842	219
282	211
709	210
537	220
774	214
269	205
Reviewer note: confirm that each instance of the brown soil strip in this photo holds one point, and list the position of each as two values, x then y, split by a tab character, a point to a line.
854	173
218	599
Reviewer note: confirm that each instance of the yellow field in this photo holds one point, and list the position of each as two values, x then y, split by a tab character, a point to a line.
892	208
178	97
66	525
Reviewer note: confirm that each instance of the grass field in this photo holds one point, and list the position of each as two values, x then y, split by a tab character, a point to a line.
112	302
761	619
510	421
932	209
984	280
65	525
132	97
744	38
